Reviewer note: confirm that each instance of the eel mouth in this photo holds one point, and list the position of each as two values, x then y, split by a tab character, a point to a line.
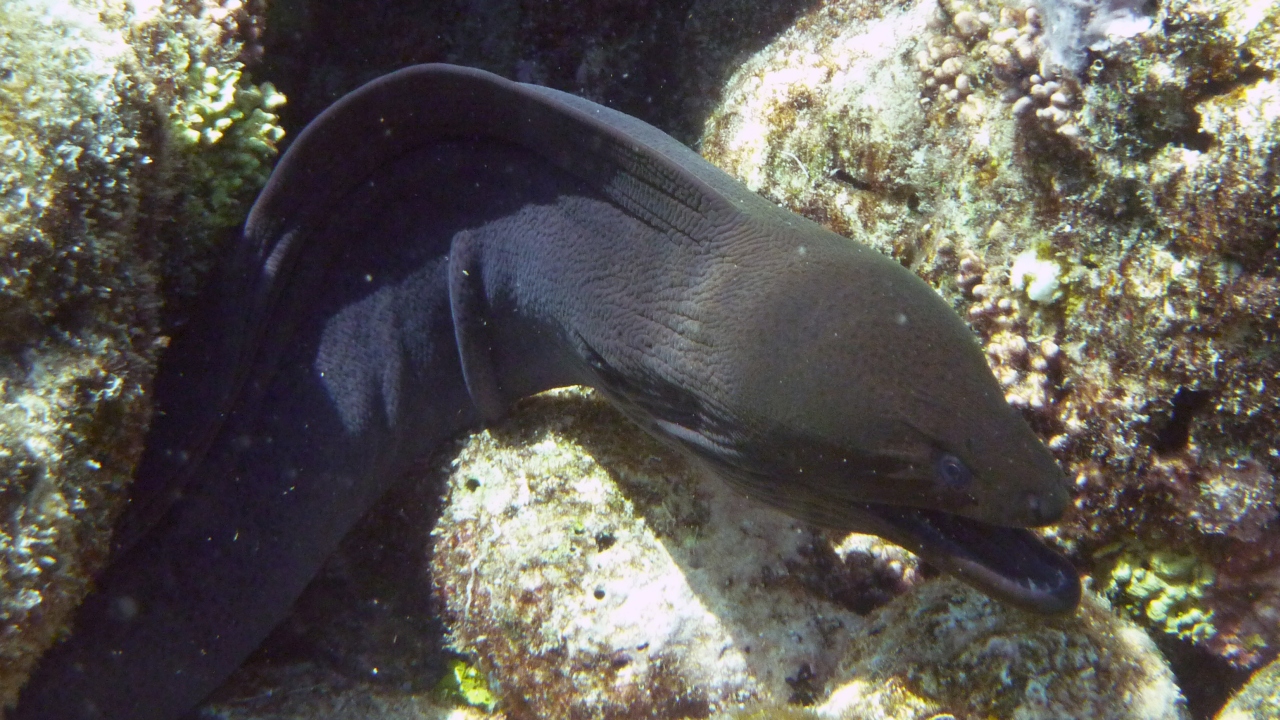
1010	564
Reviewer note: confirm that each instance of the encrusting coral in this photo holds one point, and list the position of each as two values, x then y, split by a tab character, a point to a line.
1110	230
92	95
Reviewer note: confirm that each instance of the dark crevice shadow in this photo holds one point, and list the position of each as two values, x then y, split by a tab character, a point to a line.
368	618
663	61
1204	679
1174	431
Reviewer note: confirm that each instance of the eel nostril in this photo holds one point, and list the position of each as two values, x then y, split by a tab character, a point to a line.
1042	510
1036	509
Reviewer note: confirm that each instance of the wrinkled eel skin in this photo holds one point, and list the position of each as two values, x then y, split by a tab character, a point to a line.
442	242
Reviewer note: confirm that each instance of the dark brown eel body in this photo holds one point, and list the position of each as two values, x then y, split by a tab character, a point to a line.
442	242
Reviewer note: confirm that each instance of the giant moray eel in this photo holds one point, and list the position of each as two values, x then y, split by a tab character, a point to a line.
442	242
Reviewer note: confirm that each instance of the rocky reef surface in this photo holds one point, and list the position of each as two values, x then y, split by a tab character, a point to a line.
1258	699
1094	187
1099	200
586	571
595	575
1109	230
130	141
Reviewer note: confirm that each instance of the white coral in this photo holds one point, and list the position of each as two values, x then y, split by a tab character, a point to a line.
1039	277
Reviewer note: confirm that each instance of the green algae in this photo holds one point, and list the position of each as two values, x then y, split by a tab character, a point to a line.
465	684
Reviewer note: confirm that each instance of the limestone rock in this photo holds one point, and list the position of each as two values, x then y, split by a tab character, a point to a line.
593	574
960	653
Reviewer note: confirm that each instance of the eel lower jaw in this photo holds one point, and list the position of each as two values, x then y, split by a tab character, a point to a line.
1010	564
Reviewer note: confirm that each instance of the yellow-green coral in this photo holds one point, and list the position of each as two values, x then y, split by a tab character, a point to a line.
1166	588
229	132
219	133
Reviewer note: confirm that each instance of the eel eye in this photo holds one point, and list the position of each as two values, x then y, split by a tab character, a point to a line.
952	472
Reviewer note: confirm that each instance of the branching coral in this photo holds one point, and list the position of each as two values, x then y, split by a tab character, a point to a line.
230	135
220	133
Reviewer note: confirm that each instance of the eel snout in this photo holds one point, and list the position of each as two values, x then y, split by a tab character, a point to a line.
1011	564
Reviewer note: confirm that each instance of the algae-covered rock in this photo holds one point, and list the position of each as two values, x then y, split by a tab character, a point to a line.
1111	235
91	98
592	574
589	573
960	654
1259	699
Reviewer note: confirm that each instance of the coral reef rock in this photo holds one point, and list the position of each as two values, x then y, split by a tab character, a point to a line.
1259	699
588	572
592	574
1111	235
96	99
951	650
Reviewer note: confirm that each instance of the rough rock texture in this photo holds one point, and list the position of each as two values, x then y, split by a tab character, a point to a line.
595	575
959	653
586	571
94	99
592	577
1111	236
1259	699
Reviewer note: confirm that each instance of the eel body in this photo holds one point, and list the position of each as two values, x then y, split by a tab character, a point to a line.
442	242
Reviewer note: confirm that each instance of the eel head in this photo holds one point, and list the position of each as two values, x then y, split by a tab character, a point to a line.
853	397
